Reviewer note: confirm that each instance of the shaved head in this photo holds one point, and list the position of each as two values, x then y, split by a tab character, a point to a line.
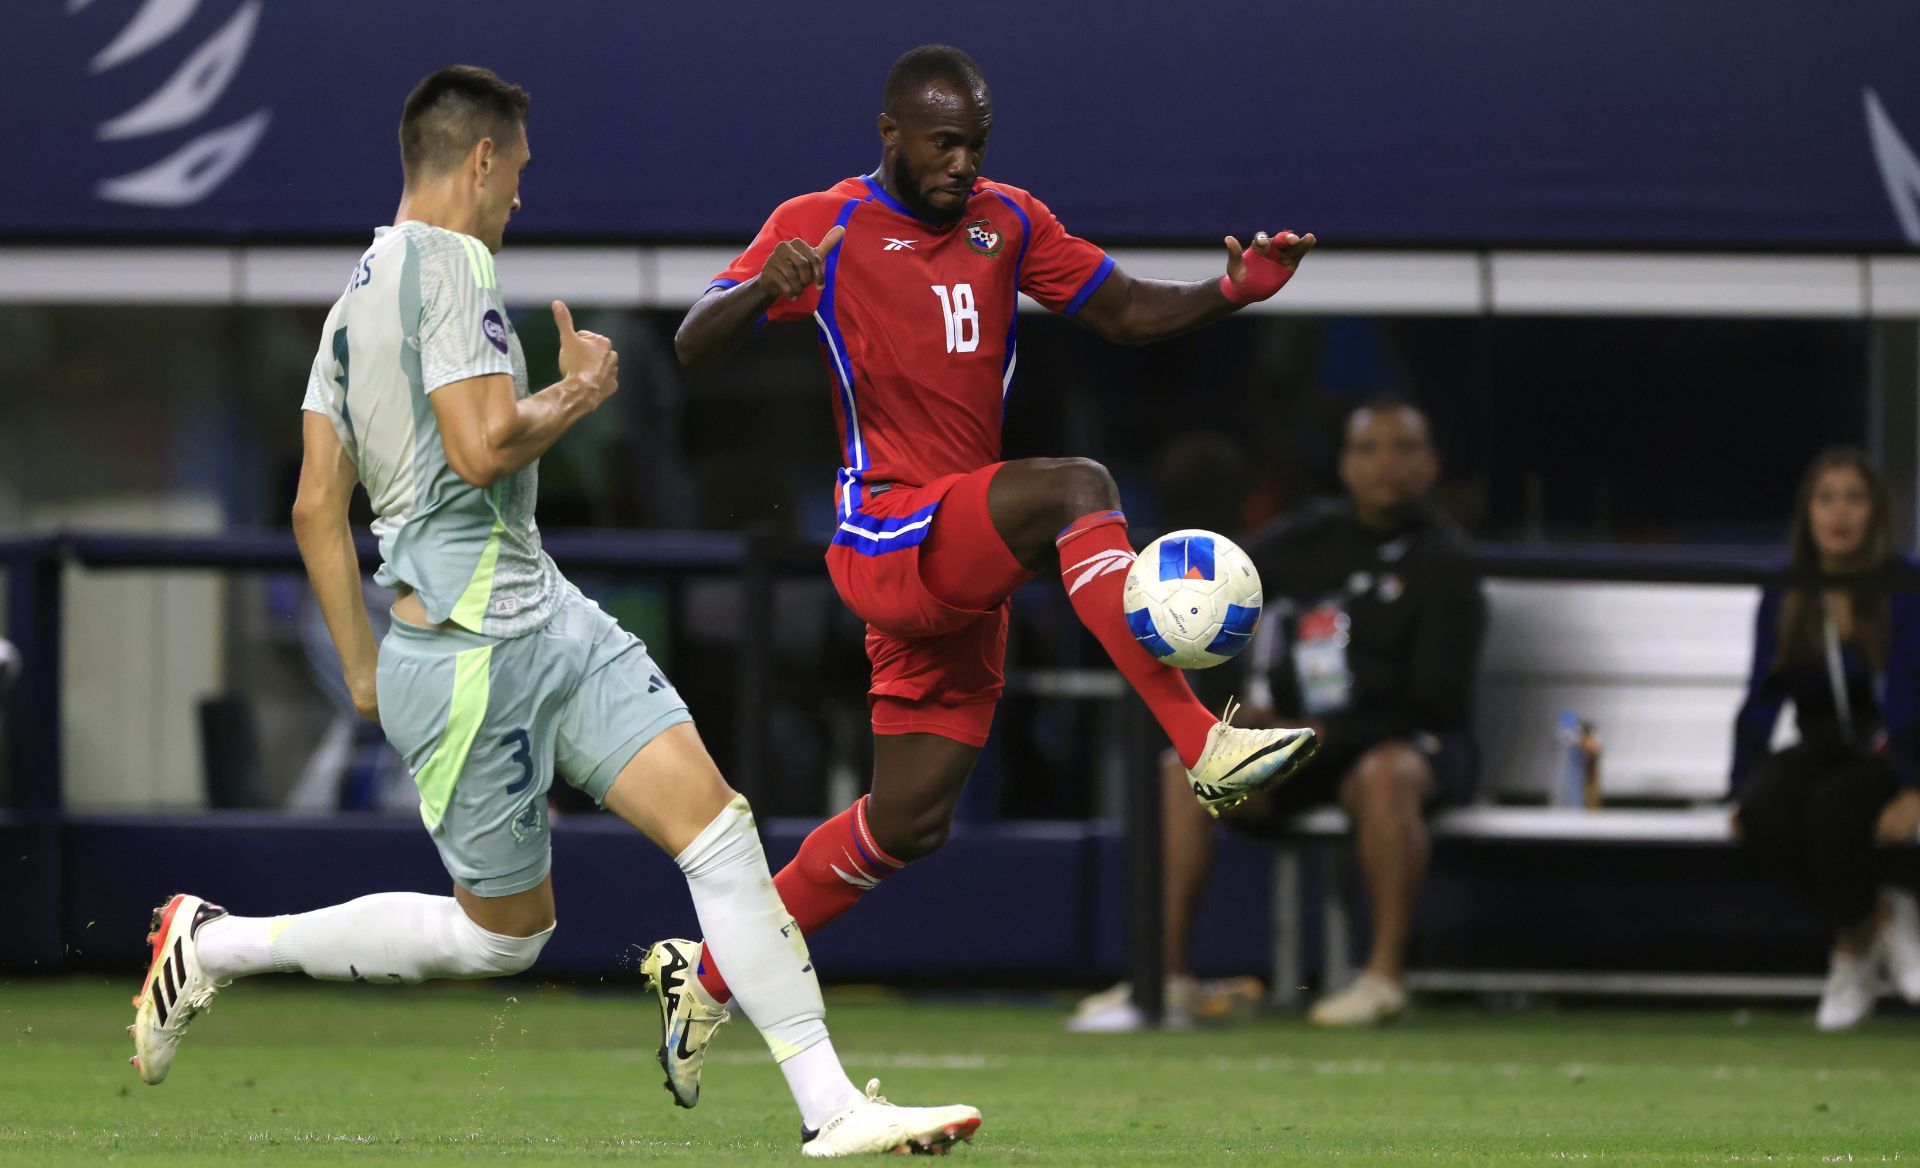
931	68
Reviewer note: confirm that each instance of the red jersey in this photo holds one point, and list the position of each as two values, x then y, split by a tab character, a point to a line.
917	323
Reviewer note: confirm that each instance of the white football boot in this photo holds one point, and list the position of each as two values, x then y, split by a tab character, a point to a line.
176	989
1853	983
1370	1000
1111	1011
1238	762
688	1015
875	1127
1901	938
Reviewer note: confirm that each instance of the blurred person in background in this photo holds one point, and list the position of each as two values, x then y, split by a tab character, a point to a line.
11	667
1849	661
1372	636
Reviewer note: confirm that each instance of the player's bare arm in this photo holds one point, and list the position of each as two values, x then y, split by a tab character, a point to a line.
320	527
1127	311
489	436
723	318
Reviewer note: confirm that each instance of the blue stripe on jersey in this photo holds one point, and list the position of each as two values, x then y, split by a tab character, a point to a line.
1092	285
1140	623
843	369
1013	315
873	536
1235	631
1183	555
720	282
880	192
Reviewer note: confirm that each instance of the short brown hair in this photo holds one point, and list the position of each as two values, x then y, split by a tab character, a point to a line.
453	109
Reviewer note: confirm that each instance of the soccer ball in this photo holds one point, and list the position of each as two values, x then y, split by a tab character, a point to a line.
1192	599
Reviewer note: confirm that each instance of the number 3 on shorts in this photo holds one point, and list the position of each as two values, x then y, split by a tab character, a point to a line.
523	756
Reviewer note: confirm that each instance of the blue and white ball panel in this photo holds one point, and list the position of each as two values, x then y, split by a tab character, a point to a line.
1140	621
1235	630
1182	555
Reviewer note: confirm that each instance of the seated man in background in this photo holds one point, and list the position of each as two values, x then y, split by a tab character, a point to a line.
1372	634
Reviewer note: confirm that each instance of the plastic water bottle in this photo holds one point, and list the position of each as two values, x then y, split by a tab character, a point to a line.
1570	783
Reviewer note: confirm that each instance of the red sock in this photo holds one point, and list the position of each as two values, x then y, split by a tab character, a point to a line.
1094	558
837	865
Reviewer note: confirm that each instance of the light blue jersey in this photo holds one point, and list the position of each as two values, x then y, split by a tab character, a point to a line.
423	310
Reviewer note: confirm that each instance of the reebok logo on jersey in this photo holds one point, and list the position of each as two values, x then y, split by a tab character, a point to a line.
898	244
1098	564
495	328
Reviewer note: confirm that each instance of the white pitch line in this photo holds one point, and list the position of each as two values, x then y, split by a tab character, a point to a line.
895	1061
1508	1070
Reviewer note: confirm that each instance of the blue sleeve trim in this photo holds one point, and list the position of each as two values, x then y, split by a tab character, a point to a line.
1092	285
721	283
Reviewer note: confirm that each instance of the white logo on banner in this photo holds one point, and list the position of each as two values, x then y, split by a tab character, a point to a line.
197	169
1899	169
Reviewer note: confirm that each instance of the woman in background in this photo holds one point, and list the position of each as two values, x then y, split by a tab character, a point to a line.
1849	660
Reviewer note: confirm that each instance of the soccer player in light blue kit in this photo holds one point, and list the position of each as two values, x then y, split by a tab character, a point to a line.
497	673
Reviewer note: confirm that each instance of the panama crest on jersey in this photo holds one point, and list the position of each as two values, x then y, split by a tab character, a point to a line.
982	237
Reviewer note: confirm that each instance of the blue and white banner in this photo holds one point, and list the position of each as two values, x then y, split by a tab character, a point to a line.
1666	123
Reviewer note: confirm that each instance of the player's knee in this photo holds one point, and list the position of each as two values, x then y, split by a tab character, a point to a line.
916	839
1079	486
1088	484
504	956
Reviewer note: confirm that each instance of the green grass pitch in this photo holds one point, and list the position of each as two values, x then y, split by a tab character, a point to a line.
284	1072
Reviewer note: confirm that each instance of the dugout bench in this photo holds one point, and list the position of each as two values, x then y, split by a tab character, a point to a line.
1660	669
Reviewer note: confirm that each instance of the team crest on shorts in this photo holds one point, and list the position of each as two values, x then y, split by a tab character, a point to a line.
982	238
527	824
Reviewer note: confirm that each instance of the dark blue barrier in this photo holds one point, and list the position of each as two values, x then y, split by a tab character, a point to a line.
1021	900
31	893
30	755
1014	900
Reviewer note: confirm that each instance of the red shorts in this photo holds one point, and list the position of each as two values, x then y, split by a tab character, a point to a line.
937	669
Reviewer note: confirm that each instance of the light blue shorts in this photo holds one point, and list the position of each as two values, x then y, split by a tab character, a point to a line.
484	723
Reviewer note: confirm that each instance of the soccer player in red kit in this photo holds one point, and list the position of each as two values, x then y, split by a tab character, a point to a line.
910	275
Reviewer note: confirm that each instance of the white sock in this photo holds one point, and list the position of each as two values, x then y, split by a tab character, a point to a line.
388	937
819	1084
233	946
765	956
